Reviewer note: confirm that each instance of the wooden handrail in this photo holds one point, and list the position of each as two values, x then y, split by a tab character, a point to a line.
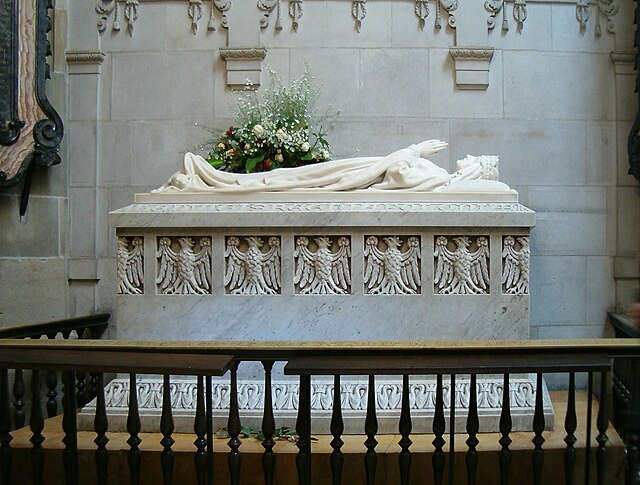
624	325
255	350
97	323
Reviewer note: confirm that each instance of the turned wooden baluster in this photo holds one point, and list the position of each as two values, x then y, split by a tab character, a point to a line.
101	425
404	458
303	429
36	423
234	427
337	428
268	427
5	426
81	389
18	395
538	439
452	429
371	429
209	417
602	438
632	423
93	385
504	458
52	394
70	428
134	456
200	429
166	428
587	449
473	425
437	459
570	425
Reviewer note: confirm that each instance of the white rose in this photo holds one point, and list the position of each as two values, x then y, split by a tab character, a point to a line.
279	158
280	133
258	130
221	147
305	146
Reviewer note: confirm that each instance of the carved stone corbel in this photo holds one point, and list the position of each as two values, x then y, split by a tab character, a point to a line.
84	62
472	66
244	66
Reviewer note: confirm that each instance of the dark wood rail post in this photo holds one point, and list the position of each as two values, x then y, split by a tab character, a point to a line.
36	423
234	427
70	427
337	428
268	427
5	425
303	429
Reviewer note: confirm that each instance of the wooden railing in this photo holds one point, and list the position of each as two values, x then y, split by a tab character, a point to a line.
407	359
88	326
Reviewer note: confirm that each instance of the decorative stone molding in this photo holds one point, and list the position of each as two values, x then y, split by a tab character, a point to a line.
358	12
496	6
244	66
107	7
250	269
460	270
84	62
449	6
322	267
268	6
184	266
623	62
392	267
472	66
515	265
130	265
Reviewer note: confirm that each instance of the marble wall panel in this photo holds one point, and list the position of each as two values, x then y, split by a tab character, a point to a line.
568	35
81	137
542	85
83	97
601	152
167	85
531	152
628	217
558	290
338	71
567	233
600	289
447	101
408	95
38	237
82	213
114	153
44	277
587	200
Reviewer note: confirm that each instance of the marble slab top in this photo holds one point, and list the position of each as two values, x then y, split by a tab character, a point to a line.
327	214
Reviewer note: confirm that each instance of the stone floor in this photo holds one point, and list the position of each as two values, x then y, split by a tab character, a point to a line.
387	449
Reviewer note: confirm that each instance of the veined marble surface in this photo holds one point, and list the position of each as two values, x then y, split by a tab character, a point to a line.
387	214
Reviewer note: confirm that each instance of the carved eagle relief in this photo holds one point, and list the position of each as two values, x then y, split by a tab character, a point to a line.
515	266
322	272
392	271
130	266
184	271
461	272
252	272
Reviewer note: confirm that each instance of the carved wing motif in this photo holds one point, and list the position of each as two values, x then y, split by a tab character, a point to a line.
271	264
374	263
130	267
305	273
167	266
515	266
444	264
235	273
410	266
202	268
479	269
341	274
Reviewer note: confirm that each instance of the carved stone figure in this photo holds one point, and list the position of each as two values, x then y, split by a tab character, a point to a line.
322	272
515	266
407	169
392	271
130	268
461	271
185	271
252	272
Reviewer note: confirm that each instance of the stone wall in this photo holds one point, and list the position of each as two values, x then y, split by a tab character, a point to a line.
557	110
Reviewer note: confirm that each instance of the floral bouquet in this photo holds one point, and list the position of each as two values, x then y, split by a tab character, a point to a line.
272	130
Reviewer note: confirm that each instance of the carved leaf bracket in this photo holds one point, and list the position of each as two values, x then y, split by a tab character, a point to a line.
22	108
